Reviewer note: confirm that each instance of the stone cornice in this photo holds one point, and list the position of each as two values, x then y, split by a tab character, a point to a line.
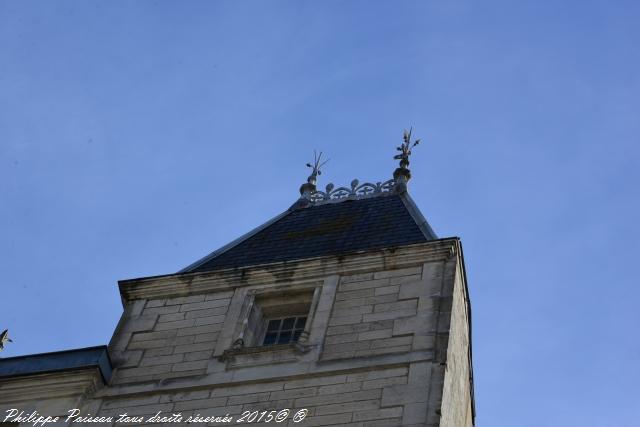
55	384
295	370
287	272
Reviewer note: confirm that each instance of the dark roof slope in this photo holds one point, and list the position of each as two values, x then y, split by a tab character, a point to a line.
326	229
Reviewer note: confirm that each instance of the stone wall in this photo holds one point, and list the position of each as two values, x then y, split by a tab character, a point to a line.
367	313
354	399
457	404
172	337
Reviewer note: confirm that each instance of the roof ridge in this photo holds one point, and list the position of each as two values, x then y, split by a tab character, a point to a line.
356	191
417	216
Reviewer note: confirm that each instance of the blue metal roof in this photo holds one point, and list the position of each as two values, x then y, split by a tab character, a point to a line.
82	358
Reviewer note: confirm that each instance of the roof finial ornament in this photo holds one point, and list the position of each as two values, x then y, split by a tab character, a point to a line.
4	338
308	188
402	175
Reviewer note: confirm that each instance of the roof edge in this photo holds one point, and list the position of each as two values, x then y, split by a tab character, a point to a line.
173	285
417	216
190	268
58	361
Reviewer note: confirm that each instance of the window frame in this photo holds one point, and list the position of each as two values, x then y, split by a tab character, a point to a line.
262	304
237	351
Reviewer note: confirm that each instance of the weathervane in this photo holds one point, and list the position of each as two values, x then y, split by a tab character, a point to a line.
307	189
402	175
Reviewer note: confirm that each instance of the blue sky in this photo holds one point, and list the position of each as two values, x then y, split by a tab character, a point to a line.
136	137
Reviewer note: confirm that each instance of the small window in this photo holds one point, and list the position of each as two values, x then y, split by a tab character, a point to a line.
284	330
276	318
274	326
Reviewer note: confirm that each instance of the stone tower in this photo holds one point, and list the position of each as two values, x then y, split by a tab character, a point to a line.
344	310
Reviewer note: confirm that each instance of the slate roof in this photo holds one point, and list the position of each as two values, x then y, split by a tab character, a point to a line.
328	229
82	358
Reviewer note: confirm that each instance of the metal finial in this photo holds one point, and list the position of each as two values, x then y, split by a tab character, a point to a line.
307	189
402	174
315	167
405	148
4	338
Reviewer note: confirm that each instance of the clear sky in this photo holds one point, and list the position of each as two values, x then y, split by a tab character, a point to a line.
136	137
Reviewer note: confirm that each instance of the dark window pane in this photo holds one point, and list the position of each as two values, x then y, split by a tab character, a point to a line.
270	338
273	325
288	323
284	331
285	337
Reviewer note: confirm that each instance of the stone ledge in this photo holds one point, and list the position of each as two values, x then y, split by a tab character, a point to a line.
176	285
262	355
58	384
294	371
